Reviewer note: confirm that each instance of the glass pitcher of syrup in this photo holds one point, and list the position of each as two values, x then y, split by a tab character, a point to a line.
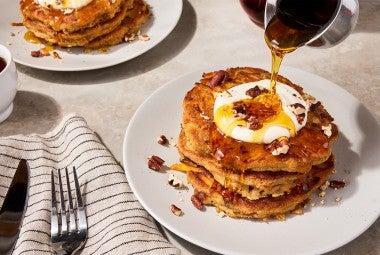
338	26
325	22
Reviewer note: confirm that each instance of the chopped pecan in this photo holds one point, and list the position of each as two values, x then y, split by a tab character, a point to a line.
327	130
176	210
299	110
197	203
219	154
255	91
239	110
278	146
301	118
162	140
144	38
254	123
17	24
155	163
35	53
218	78
175	181
337	184
56	55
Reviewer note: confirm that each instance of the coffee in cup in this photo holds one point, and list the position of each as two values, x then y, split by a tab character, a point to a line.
8	83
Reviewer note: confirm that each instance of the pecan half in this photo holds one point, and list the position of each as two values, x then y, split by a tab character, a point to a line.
218	78
155	163
197	203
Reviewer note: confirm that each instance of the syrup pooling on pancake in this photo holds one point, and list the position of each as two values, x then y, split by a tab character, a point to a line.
250	113
63	4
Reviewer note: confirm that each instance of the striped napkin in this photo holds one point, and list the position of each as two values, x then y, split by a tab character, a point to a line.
117	222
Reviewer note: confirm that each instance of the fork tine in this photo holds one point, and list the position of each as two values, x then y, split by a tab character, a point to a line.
72	225
63	207
54	227
82	221
77	188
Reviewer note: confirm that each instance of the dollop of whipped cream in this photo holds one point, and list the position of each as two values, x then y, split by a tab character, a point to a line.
250	113
63	4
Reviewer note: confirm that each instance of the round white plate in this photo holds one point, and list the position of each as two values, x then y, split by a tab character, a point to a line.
166	14
320	229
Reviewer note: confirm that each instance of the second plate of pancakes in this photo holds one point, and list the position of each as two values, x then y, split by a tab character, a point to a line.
158	27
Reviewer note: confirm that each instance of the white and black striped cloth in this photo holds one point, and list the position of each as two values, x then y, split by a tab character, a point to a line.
117	222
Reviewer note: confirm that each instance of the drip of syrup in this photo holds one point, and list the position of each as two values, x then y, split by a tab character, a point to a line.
32	38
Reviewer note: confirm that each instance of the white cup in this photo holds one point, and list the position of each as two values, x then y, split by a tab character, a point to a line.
8	84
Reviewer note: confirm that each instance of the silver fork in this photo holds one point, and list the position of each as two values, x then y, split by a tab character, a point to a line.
68	227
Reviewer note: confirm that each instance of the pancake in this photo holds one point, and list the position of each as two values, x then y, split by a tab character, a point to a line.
107	30
211	192
200	138
255	184
90	15
245	178
77	38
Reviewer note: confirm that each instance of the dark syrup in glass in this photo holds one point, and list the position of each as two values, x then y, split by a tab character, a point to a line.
295	23
255	10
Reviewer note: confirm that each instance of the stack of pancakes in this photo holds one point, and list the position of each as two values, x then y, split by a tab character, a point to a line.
244	179
99	24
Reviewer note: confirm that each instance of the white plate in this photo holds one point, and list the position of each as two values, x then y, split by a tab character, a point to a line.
320	229
166	14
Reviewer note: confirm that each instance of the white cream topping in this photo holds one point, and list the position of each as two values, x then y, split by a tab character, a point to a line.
285	123
63	4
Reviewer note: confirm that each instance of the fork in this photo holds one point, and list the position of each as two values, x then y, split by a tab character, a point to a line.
68	227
